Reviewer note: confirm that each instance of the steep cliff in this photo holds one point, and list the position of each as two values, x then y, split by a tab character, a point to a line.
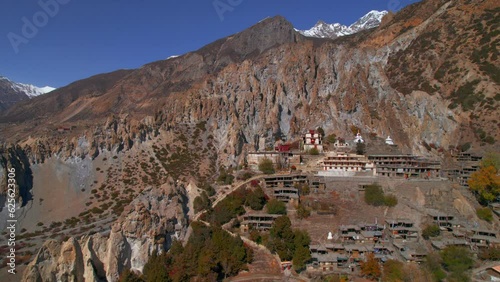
148	224
399	79
185	117
15	157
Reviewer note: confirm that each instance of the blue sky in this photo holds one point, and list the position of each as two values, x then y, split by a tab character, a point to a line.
74	39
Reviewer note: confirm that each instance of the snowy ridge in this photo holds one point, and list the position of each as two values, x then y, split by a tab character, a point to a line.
324	30
28	89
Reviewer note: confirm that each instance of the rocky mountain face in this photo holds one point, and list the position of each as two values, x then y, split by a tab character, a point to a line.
148	224
192	114
13	92
15	157
332	31
270	80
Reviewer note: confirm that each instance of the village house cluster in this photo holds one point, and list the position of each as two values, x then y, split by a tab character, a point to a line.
342	250
341	159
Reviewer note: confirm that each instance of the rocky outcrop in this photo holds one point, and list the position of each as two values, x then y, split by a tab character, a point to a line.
270	81
148	224
15	157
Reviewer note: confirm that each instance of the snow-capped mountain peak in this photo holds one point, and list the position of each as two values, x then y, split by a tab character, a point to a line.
32	90
370	20
323	30
28	89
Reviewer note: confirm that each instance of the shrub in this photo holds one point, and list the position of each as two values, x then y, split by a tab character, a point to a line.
331	138
433	263
266	166
303	212
360	148
201	203
321	131
303	189
314	152
374	195
371	267
209	189
256	199
492	253
485	214
457	259
390	200
276	207
393	271
228	208
465	147
245	175
225	177
255	236
431	231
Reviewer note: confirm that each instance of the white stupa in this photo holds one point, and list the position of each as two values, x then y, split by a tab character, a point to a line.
389	141
358	138
330	236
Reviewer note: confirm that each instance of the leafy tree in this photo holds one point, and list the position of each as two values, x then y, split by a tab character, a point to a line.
331	138
374	195
431	231
303	212
390	200
156	268
266	166
228	208
276	207
457	259
492	253
314	152
210	254
485	214
393	271
289	244
371	268
433	263
301	256
229	252
486	183
282	238
256	236
360	148
303	188
491	159
465	147
301	238
209	189
282	228
201	202
245	175
256	199
321	131
176	248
